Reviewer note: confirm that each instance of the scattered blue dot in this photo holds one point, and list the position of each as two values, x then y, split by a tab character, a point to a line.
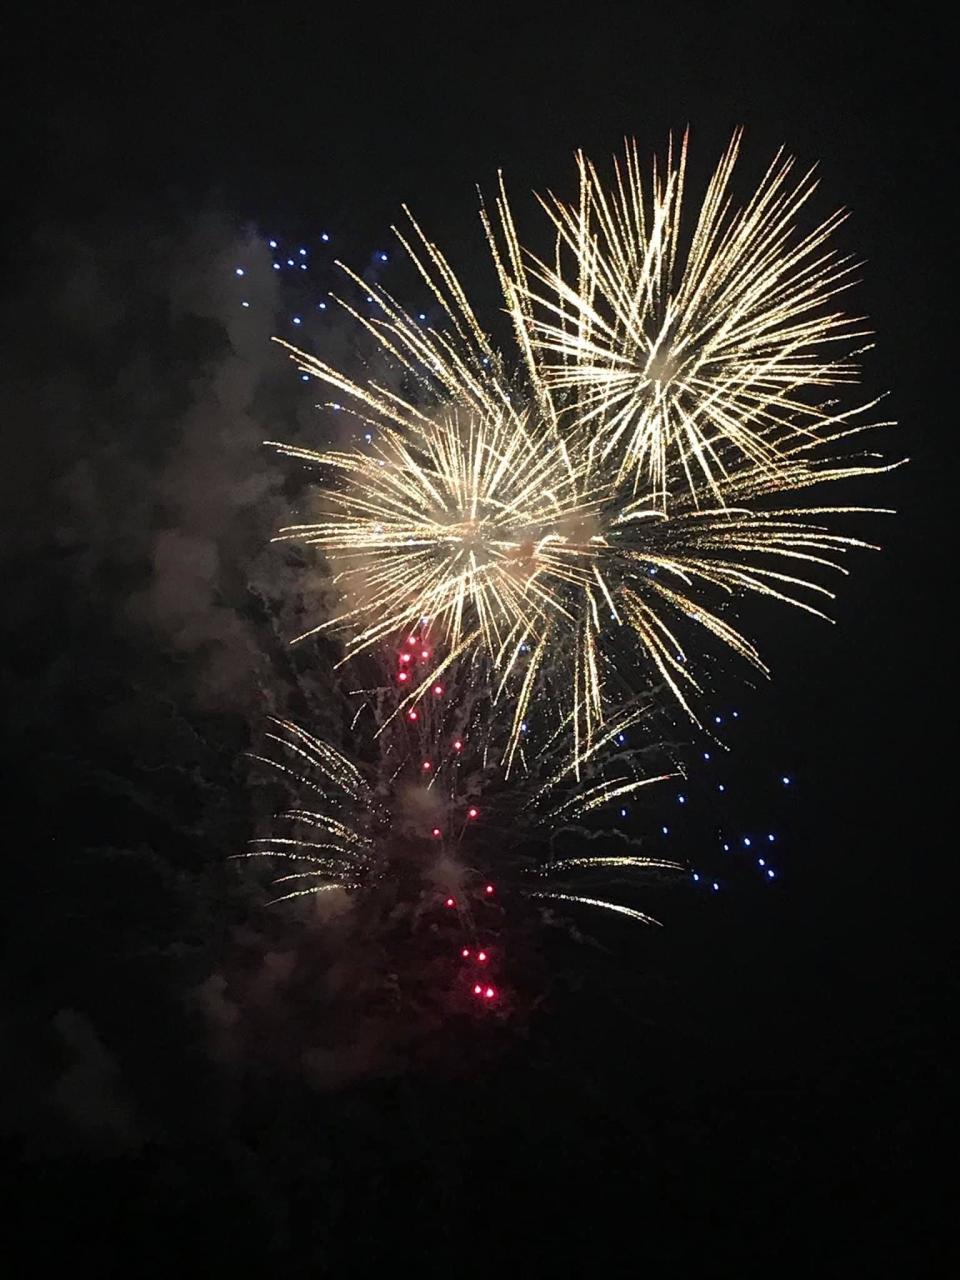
368	437
272	243
321	306
621	738
302	252
665	830
771	837
244	304
324	237
718	720
239	271
785	780
523	726
770	873
623	813
736	715
383	257
304	377
721	787
715	886
726	848
681	799
761	862
706	755
290	262
303	266
421	316
695	876
297	320
276	266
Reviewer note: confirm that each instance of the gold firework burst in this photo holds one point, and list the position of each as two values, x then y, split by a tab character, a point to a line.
692	348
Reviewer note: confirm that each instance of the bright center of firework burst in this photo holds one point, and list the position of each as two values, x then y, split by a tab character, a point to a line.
663	367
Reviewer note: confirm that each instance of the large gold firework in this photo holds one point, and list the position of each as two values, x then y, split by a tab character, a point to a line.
633	481
692	345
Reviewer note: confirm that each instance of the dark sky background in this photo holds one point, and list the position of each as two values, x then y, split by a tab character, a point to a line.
764	1084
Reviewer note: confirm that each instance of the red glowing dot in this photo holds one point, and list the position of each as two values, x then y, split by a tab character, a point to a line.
436	831
450	902
488	889
424	653
457	745
427	766
411	715
411	639
489	993
472	813
465	952
403	676
438	689
404	657
481	956
478	990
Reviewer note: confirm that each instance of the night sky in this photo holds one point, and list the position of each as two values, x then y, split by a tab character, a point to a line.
760	1086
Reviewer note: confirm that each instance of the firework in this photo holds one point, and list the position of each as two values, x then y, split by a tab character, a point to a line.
692	346
623	489
426	794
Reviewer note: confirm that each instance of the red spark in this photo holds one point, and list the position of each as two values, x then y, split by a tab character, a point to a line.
404	657
489	993
403	676
426	766
478	990
424	653
465	952
472	813
450	902
481	956
457	745
438	689
436	831
411	715
489	889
